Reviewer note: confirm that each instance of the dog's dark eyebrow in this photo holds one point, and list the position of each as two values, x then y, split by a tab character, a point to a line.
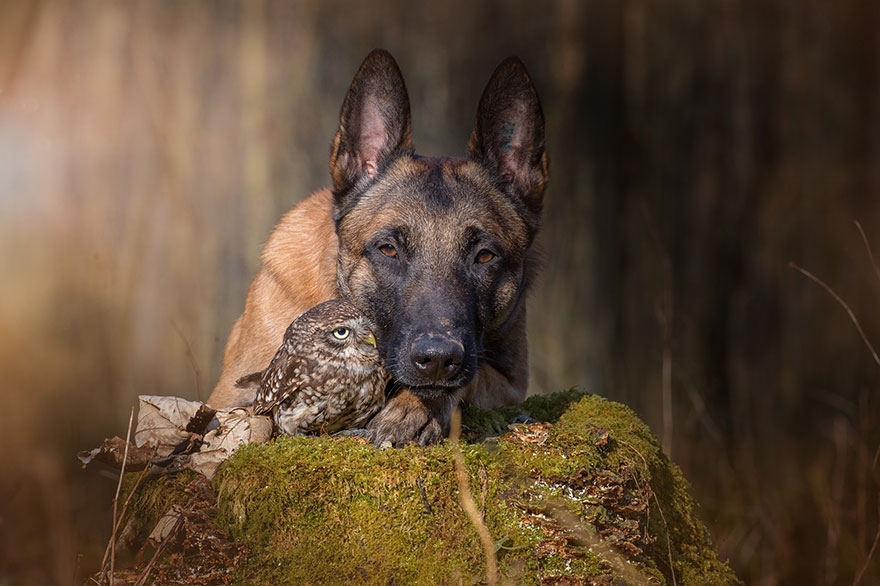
398	233
475	235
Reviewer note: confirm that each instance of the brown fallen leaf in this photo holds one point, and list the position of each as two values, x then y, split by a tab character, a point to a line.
174	434
112	451
236	428
166	423
162	422
167	524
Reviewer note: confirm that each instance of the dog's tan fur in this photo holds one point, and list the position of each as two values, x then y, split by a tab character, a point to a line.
298	272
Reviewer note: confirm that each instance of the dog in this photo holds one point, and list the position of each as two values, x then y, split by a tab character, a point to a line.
438	252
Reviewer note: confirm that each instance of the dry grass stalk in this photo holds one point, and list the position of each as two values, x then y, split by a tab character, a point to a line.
858	579
468	503
111	546
118	522
659	510
666	317
145	574
868	248
842	303
870	347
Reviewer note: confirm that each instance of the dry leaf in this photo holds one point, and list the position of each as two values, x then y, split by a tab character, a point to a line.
166	526
236	427
162	422
112	451
174	434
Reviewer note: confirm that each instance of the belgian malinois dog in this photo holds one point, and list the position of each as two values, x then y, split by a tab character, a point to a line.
437	252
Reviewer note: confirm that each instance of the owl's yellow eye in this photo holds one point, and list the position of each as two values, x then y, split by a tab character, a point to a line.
484	256
341	333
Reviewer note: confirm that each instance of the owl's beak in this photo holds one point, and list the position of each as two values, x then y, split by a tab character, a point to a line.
370	339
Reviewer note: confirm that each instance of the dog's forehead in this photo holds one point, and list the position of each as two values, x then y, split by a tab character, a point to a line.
438	198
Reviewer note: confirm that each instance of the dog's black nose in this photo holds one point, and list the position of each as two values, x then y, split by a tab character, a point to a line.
436	357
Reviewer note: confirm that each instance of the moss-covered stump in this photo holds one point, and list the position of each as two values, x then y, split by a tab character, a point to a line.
590	499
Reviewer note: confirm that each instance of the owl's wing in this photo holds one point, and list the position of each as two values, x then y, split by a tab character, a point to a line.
250	381
280	380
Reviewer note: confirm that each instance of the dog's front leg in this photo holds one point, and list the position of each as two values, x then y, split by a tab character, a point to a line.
491	389
409	418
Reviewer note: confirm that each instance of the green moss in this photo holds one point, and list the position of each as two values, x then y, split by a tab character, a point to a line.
154	497
483	422
321	510
572	499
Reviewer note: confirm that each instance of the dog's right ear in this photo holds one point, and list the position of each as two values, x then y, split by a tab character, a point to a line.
508	137
374	125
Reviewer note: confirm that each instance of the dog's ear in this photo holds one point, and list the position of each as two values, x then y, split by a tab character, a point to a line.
508	137
374	125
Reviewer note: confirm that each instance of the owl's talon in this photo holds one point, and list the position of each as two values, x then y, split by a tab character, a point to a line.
360	432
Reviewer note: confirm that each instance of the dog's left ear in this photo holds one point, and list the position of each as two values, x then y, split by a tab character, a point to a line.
508	137
374	125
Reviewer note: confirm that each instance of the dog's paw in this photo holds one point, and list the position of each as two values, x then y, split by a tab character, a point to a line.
407	419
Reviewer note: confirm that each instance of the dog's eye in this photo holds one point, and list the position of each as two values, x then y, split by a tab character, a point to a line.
341	333
484	256
388	250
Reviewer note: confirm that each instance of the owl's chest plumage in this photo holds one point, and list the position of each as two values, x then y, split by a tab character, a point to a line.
342	400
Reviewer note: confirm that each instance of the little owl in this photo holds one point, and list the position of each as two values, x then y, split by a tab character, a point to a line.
326	376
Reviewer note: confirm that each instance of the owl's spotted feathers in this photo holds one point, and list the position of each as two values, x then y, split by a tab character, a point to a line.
326	376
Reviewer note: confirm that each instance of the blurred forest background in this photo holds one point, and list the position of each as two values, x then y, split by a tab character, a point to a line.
696	148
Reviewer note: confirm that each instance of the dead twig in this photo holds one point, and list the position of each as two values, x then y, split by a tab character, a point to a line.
133	490
191	358
659	509
112	545
142	579
666	317
668	538
842	303
118	521
868	248
484	489
424	496
468	503
861	573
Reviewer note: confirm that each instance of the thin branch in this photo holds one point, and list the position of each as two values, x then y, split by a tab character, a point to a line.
666	316
861	573
118	522
702	413
868	248
115	503
192	359
143	577
659	509
424	496
468	503
842	303
134	488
